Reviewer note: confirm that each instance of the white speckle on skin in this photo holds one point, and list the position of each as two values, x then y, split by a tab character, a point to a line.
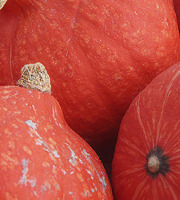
90	173
92	190
70	193
57	186
45	187
64	172
101	178
40	141
31	124
80	161
85	152
95	186
72	160
23	180
34	108
55	153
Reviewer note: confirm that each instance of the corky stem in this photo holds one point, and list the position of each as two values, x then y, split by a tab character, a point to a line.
156	162
35	77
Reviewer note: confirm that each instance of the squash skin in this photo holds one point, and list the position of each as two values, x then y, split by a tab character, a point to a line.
151	120
177	10
40	156
98	57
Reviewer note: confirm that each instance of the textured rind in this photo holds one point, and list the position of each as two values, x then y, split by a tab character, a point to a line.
40	156
99	54
151	120
177	10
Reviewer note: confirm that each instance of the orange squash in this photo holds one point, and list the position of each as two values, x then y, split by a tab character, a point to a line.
147	157
99	54
40	156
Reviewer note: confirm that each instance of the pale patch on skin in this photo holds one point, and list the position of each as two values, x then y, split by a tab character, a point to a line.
31	124
10	197
46	186
27	150
5	109
24	180
102	180
39	141
11	144
72	160
100	177
52	141
7	162
7	131
63	171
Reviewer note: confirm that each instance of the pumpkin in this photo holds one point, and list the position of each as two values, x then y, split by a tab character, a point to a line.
177	10
99	54
146	162
40	156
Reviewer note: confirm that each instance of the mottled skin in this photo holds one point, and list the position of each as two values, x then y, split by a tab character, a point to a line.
99	54
151	121
40	156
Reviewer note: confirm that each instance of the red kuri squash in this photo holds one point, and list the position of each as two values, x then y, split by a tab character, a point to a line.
40	156
99	54
146	163
177	10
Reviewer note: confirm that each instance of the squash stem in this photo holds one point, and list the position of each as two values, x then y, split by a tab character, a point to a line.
35	77
153	164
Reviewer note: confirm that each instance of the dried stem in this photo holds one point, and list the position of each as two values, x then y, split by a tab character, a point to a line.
35	77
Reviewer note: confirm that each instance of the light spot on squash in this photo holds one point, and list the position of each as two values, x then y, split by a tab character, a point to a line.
45	164
157	6
70	193
54	170
52	140
7	131
31	124
5	109
72	160
10	197
46	186
80	177
15	126
103	181
24	179
17	112
27	150
85	152
63	171
8	162
55	153
11	144
90	173
6	91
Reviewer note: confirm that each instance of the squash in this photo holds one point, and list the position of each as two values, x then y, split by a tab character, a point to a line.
177	10
40	156
146	162
99	54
